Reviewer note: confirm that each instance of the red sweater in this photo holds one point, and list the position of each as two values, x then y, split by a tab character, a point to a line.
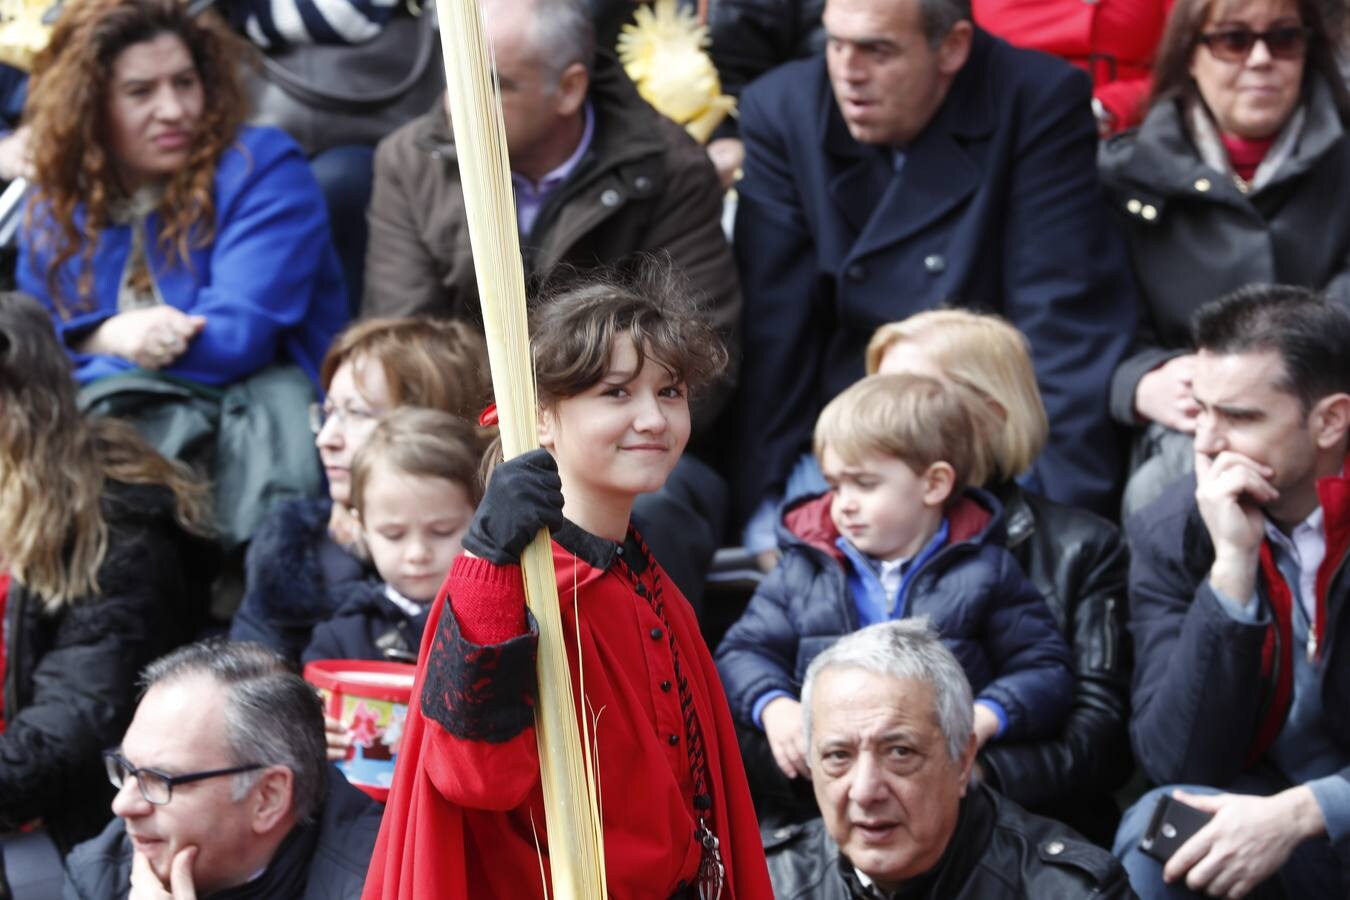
466	803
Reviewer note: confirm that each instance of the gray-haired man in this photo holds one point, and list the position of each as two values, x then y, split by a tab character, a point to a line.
224	790
891	746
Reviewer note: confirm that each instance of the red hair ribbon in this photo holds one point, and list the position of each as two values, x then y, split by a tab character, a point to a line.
488	417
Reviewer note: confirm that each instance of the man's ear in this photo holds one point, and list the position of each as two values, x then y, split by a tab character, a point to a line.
954	50
968	762
1329	420
273	798
938	481
573	84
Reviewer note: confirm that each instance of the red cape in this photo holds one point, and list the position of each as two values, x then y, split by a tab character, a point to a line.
463	813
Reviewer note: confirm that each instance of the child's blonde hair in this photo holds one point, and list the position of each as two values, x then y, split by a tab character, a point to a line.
423	443
988	355
915	419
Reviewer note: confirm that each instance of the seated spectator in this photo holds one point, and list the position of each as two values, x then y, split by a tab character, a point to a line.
600	179
308	559
1075	559
879	184
1239	691
899	534
892	747
223	790
414	488
104	564
164	235
1238	176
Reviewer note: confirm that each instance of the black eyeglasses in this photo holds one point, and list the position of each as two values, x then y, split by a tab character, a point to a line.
156	786
1234	44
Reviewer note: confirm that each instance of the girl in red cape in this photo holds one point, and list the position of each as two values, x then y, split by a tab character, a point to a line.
465	819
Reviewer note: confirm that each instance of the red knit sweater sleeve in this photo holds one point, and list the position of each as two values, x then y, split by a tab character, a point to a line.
488	600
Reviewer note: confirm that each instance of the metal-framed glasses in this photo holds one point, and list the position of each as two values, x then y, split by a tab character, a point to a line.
345	418
156	786
1236	43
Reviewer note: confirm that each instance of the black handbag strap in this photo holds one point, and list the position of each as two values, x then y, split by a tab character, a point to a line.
324	97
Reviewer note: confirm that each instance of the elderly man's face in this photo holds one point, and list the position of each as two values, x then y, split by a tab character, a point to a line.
886	786
179	728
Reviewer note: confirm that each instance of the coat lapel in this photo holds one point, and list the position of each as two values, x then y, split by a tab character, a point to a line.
859	175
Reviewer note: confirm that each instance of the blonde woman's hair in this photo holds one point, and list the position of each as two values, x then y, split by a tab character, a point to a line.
55	465
423	443
989	356
915	419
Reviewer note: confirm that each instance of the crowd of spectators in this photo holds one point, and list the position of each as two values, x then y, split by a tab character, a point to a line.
1032	424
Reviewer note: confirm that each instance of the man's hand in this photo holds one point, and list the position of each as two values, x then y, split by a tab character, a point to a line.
1246	842
15	160
727	155
1164	395
783	727
145	884
1230	490
152	338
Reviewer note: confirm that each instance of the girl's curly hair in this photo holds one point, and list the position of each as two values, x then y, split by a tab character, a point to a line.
67	112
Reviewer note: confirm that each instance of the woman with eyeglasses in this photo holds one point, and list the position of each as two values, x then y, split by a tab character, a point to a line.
306	560
104	560
1240	174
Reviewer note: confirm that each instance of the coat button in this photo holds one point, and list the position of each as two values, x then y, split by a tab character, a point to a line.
673	740
640	589
665	686
610	197
856	272
934	263
1133	206
1202	184
642	183
1054	848
1149	212
657	634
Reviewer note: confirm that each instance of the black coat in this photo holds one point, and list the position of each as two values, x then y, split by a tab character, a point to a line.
998	852
973	592
1203	683
70	675
1194	236
328	857
369	626
997	207
297	577
1080	564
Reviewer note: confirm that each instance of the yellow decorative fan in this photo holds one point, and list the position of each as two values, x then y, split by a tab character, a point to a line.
22	31
664	51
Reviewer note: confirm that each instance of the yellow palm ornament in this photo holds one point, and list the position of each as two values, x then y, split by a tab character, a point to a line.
22	32
664	51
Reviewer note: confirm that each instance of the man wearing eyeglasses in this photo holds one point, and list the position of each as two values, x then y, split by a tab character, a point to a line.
224	791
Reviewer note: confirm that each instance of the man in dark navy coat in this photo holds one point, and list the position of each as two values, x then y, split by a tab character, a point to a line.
924	162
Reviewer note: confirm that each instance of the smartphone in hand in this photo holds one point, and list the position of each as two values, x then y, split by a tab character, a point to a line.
1172	825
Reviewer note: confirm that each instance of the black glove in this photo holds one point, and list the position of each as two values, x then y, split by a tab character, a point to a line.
523	495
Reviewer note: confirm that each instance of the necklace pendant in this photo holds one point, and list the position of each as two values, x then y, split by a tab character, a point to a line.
712	875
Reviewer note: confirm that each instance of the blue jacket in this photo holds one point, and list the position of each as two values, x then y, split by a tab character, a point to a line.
997	206
369	626
973	592
269	284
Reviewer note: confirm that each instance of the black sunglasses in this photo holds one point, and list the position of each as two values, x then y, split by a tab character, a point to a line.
1234	44
156	786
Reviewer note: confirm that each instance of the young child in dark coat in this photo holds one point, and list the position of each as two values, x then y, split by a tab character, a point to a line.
899	534
414	488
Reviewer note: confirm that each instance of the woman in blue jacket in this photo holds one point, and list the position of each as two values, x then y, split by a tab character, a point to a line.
162	234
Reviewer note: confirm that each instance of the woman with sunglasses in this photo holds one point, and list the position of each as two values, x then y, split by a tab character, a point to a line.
1239	174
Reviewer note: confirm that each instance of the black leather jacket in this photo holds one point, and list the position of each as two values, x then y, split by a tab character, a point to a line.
998	852
1079	563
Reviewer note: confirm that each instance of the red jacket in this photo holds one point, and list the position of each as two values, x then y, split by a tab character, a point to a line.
1112	40
466	809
